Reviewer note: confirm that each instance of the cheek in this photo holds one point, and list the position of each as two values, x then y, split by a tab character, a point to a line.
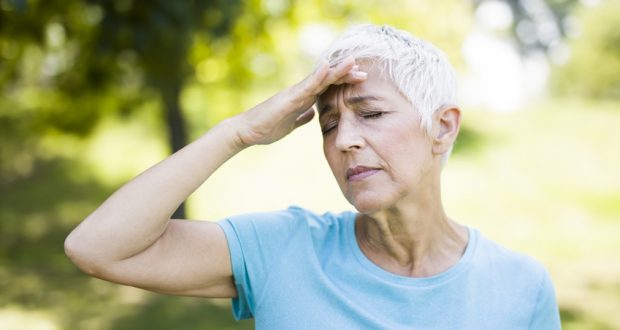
405	149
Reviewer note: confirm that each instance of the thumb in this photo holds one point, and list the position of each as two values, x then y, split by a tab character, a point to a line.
305	117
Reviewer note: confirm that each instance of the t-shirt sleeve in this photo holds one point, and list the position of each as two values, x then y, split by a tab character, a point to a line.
255	241
546	313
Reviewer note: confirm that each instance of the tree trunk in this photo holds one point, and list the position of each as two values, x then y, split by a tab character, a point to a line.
177	132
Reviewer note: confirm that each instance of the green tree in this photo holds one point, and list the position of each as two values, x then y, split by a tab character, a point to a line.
67	63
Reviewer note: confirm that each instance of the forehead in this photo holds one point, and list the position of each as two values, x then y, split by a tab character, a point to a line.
376	88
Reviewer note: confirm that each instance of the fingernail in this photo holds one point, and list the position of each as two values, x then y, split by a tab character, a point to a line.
359	74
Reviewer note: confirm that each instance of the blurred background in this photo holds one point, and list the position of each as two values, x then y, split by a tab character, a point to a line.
93	92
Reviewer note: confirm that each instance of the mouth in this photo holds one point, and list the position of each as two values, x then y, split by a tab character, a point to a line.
358	173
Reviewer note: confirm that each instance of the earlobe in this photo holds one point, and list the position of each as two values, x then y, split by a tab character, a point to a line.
449	121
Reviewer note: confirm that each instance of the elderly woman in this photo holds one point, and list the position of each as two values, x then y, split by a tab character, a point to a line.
387	111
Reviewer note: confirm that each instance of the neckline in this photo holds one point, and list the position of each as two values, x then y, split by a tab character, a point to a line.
413	281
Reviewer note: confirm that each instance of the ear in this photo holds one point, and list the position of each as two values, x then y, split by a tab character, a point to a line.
447	123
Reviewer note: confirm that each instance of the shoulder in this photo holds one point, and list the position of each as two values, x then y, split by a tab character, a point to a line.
517	269
497	255
322	223
503	274
286	222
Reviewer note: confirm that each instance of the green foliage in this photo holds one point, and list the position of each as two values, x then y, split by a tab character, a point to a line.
594	67
67	64
69	68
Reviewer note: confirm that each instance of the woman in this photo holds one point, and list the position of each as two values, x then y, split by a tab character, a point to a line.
387	111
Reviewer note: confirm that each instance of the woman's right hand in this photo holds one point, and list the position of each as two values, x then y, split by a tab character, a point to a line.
130	239
276	117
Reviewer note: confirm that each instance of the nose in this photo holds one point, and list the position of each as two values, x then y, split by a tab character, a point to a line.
348	135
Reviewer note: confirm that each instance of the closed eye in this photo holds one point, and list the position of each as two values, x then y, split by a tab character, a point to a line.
328	127
373	114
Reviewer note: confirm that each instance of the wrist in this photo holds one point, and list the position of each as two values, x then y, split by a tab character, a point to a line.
233	128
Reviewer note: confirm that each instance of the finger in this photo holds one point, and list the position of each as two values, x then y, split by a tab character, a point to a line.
353	77
339	71
323	76
305	117
339	75
310	84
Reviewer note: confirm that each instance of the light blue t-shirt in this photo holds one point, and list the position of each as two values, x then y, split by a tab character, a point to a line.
294	269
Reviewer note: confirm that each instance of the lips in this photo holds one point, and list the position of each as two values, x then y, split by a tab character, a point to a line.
360	172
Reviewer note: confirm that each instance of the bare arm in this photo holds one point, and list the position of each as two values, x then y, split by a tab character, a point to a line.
130	239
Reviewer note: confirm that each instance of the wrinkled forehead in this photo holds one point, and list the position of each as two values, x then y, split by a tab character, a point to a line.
376	85
332	92
330	99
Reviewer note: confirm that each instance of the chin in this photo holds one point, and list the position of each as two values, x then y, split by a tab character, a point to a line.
369	203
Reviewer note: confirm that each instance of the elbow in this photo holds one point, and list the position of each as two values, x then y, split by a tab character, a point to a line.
78	253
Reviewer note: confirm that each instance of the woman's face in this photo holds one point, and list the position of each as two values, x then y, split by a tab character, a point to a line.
374	145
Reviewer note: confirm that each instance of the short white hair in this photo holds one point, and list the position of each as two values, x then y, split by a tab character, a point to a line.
418	69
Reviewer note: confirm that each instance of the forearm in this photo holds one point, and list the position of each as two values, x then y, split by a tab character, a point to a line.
137	214
131	233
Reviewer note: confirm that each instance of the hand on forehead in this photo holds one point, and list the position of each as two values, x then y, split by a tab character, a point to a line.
374	88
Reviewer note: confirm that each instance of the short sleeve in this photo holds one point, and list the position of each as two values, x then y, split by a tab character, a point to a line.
255	241
546	314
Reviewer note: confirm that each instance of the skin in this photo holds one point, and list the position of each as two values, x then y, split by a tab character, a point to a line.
130	238
402	226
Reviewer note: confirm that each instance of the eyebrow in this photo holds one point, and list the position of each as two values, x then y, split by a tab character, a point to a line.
352	100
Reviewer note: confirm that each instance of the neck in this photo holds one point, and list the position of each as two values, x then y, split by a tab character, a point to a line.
412	239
